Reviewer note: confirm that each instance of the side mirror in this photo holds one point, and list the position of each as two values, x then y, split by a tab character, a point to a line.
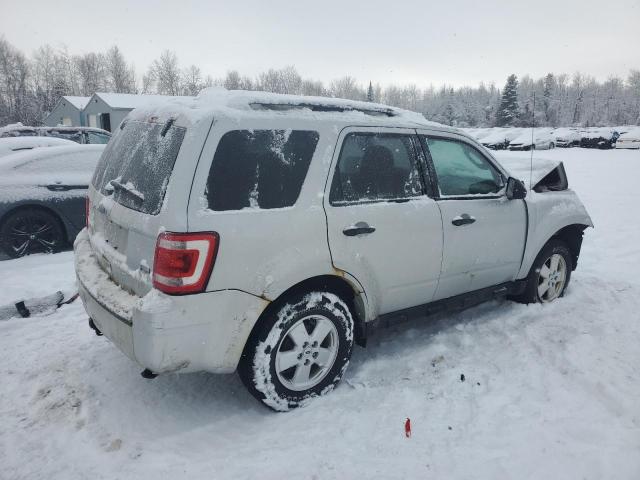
515	189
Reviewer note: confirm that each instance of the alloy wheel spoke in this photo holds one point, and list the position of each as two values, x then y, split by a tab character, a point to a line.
555	260
299	334
46	244
320	331
303	372
42	229
286	360
545	271
324	355
22	249
543	287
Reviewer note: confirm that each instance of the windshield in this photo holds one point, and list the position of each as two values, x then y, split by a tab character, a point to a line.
137	163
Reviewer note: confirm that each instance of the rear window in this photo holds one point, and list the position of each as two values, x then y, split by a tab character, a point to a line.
137	163
259	168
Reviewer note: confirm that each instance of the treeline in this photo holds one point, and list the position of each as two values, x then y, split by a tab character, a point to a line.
31	85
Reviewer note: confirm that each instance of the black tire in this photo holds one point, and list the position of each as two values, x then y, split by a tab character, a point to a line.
531	292
273	338
31	230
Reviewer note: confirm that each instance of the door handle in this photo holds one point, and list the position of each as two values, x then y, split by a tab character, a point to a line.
360	228
464	219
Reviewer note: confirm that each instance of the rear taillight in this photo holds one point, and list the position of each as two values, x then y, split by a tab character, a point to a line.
183	261
87	209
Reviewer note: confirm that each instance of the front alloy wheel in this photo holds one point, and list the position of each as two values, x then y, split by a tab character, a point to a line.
552	278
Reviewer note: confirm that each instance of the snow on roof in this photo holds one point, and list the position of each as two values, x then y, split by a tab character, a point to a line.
78	102
238	103
130	100
15	144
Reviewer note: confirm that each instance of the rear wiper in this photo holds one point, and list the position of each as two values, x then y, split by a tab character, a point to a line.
127	188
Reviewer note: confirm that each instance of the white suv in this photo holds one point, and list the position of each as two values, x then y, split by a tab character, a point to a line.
268	233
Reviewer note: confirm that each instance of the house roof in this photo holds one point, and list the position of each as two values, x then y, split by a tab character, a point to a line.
129	100
78	102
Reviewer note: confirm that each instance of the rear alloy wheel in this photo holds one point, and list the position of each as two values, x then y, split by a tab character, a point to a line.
298	352
549	275
30	230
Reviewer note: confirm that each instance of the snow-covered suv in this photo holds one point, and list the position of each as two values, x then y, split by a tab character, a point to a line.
268	233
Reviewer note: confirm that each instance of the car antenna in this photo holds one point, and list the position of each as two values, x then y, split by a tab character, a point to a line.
533	124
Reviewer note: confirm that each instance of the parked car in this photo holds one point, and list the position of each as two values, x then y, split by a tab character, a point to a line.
10	146
76	134
42	197
566	137
268	233
500	138
602	138
630	139
538	139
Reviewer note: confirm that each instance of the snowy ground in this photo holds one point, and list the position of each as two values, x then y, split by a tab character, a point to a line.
549	392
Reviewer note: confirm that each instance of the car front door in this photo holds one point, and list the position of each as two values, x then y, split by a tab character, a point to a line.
484	232
383	228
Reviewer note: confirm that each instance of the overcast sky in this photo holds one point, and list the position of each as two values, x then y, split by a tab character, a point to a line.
454	42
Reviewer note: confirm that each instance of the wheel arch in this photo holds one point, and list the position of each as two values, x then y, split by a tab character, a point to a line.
336	284
571	235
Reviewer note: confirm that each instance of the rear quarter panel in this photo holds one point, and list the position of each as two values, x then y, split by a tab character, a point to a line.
265	252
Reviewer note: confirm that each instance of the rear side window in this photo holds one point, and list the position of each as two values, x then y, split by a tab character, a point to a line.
137	163
375	167
259	168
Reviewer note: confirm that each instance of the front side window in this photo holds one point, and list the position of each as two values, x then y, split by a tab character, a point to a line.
461	169
374	167
259	168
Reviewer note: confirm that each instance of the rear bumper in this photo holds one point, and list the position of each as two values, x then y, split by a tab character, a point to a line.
165	333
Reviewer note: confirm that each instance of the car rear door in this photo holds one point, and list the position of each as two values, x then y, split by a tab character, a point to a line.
484	232
383	228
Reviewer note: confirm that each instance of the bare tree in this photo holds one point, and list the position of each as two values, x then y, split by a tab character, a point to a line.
121	78
164	73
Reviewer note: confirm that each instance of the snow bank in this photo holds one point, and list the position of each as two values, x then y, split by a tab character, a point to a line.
549	392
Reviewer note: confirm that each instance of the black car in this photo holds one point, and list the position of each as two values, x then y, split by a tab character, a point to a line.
602	138
42	197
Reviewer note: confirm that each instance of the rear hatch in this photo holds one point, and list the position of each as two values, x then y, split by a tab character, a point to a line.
139	189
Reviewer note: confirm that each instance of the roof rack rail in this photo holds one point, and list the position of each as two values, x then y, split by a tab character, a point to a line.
319	107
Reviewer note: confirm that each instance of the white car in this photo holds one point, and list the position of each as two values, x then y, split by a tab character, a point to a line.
536	138
566	137
500	138
19	144
269	233
630	139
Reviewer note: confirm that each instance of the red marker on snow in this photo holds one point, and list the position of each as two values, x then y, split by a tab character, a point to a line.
407	428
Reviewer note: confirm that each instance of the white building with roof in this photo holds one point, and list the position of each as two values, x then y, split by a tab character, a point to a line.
107	110
68	112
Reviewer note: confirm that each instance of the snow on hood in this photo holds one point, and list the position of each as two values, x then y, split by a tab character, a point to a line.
520	168
12	145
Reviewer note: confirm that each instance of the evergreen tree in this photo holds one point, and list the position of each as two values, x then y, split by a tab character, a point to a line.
370	93
508	111
547	98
